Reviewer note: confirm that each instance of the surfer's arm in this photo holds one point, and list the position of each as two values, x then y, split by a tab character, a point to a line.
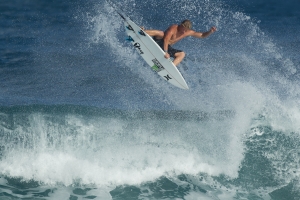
205	34
167	37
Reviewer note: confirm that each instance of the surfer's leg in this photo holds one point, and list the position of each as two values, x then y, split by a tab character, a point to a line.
178	57
155	33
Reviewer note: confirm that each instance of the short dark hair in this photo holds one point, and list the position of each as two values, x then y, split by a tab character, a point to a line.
186	23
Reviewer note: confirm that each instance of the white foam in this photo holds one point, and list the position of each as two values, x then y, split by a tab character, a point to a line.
198	196
104	151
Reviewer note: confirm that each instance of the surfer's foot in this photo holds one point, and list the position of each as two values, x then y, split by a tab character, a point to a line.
143	28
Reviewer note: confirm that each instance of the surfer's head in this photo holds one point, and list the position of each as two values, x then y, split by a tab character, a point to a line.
186	24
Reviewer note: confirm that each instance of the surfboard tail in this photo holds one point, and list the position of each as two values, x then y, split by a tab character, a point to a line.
118	10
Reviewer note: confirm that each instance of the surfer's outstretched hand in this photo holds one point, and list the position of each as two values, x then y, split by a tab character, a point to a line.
213	29
167	55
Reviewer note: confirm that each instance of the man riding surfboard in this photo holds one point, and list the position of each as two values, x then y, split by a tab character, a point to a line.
173	34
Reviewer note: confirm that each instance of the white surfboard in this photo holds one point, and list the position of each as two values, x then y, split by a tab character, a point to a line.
153	54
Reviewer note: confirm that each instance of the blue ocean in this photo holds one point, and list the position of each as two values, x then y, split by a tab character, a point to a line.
82	116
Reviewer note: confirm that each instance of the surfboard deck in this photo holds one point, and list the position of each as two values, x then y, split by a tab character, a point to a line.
153	54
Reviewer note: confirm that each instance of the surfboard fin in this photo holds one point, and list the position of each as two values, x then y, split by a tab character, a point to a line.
129	39
141	32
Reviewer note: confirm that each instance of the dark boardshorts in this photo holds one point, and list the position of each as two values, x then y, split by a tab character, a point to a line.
171	50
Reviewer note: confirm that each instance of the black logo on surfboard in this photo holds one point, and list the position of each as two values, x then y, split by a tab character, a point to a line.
168	77
138	47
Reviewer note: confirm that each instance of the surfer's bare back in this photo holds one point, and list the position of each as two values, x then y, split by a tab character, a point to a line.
173	34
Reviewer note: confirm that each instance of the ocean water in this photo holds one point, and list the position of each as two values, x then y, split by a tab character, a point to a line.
83	117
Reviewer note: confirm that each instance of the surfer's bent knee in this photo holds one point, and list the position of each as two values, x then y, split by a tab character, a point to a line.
160	34
180	54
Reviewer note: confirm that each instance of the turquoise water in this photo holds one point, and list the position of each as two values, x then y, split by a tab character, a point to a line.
83	117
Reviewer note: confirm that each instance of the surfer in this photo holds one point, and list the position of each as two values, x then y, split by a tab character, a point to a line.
172	35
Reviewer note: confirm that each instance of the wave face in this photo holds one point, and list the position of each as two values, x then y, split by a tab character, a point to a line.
82	116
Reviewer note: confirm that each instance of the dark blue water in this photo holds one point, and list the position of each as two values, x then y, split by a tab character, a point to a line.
83	117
